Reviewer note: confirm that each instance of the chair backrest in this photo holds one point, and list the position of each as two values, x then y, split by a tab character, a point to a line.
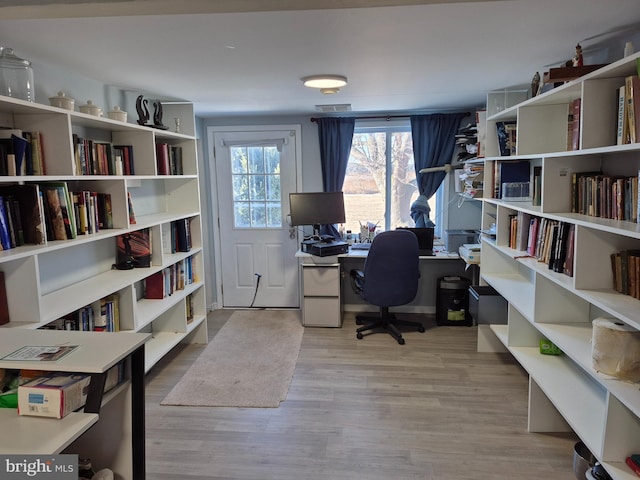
391	270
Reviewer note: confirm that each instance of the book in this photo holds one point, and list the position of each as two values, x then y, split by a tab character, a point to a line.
632	91
183	235
575	107
4	305
132	213
55	212
134	249
622	126
155	286
162	159
5	236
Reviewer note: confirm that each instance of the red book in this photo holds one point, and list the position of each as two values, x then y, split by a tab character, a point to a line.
154	286
633	466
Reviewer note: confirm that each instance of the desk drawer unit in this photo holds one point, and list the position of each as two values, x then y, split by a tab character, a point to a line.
321	295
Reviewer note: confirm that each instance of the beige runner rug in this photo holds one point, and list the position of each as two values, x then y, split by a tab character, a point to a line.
248	363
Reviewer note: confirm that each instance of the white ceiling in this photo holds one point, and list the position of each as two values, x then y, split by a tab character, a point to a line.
230	59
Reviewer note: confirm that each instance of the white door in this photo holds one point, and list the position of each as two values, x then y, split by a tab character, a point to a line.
255	171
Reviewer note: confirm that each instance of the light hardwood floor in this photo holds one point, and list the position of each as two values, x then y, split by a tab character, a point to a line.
370	409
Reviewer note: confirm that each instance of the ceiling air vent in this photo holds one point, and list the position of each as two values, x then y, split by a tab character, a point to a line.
344	107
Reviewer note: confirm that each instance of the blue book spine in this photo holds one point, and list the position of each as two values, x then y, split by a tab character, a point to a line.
5	238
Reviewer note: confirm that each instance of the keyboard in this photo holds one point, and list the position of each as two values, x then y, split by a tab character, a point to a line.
361	246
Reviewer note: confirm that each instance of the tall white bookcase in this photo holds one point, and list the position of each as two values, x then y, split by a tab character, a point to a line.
46	282
565	391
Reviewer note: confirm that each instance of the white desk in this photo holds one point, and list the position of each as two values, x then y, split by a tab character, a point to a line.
324	294
97	352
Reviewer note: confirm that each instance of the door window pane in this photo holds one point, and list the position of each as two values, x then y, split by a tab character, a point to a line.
256	187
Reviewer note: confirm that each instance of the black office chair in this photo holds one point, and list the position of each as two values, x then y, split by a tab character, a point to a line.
390	278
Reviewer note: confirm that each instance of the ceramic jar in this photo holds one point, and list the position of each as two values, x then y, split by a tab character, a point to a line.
117	114
91	109
62	101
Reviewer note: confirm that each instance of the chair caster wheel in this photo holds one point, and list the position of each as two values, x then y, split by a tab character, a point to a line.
359	336
421	329
401	341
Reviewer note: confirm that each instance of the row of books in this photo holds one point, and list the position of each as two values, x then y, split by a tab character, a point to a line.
628	110
605	196
21	153
101	316
69	214
169	159
37	213
549	241
625	266
170	279
102	158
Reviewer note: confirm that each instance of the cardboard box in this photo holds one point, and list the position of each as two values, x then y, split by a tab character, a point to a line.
53	395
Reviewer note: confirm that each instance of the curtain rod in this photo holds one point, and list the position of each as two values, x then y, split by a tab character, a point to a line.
385	117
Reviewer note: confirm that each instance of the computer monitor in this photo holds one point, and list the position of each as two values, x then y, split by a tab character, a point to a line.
316	208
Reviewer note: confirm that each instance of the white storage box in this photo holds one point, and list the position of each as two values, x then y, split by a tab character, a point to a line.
53	395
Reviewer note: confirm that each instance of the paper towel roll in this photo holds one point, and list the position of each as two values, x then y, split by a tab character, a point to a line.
615	349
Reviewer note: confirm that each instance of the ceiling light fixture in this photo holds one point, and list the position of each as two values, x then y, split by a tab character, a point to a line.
326	83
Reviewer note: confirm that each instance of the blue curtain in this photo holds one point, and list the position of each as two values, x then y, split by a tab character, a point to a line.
335	135
433	145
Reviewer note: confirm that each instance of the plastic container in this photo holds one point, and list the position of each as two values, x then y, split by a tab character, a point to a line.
16	76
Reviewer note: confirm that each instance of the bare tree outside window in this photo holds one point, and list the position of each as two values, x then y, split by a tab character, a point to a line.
380	182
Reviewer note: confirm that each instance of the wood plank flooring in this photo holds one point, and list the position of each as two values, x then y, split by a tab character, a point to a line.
433	409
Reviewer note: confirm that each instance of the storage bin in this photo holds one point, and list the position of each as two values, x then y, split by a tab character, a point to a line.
452	301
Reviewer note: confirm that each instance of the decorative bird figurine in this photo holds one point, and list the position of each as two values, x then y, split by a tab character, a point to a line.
143	111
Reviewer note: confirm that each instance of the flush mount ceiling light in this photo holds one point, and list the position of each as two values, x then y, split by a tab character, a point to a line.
326	83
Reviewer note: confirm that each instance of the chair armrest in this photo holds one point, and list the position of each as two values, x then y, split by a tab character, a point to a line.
357	280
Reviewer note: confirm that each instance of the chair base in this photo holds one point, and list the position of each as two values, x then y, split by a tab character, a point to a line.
386	322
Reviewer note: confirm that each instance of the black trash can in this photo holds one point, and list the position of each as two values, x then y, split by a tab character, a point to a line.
452	301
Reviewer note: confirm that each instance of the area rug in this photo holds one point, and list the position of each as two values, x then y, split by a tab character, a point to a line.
248	363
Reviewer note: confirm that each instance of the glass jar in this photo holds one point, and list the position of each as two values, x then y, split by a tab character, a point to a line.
16	76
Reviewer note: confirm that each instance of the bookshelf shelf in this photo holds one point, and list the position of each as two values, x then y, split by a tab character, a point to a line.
49	283
566	392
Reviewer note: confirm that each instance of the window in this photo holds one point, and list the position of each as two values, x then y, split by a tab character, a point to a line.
255	175
380	181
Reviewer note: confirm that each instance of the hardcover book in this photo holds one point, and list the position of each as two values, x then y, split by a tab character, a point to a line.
154	286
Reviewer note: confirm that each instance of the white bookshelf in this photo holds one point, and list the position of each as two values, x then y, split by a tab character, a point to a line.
46	282
565	391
